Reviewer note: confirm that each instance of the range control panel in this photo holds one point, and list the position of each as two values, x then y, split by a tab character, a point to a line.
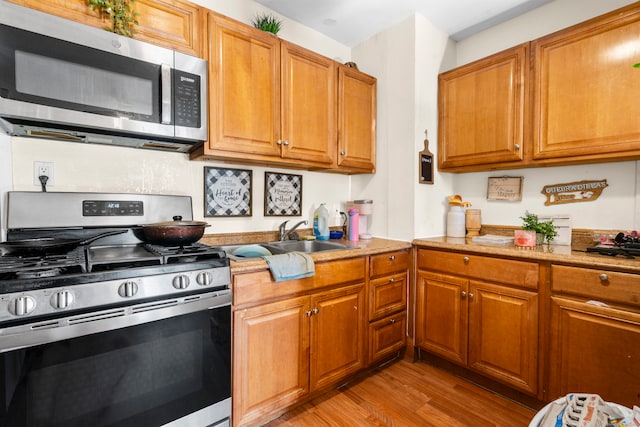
112	208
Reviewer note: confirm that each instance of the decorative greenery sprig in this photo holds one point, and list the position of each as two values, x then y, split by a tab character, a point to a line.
530	222
267	22
123	17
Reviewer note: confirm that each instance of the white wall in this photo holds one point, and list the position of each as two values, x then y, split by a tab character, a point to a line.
398	115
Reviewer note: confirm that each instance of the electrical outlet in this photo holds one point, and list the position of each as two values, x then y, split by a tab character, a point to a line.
43	168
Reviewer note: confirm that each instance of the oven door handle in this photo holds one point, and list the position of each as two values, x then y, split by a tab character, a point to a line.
48	331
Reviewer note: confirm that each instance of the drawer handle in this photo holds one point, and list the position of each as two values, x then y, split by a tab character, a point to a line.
392	257
604	277
465	259
392	280
392	320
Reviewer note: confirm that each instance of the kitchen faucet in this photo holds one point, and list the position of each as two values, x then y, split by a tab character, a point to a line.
284	234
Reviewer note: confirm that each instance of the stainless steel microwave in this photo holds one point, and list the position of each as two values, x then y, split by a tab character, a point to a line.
64	80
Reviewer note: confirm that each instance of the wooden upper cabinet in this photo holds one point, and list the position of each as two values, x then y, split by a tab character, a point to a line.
170	23
586	90
271	101
244	90
356	120
308	105
482	111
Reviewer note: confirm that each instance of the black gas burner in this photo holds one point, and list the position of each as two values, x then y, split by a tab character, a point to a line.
32	267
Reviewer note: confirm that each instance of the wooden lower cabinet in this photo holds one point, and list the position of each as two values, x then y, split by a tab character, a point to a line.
286	349
594	350
489	328
594	343
388	279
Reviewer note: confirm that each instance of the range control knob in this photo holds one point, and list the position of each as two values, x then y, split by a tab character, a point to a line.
62	299
22	306
204	278
181	281
128	289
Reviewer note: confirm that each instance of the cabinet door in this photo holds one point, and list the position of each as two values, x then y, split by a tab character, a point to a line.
244	89
170	23
594	349
337	335
270	358
442	315
482	110
387	336
387	294
503	334
586	91
356	120
308	106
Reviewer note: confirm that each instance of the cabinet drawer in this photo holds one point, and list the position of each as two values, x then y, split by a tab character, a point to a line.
597	284
390	262
511	272
259	286
386	336
387	294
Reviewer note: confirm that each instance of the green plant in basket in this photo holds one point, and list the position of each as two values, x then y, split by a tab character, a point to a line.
531	222
120	12
267	22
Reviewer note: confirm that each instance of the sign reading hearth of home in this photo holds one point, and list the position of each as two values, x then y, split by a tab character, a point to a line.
573	192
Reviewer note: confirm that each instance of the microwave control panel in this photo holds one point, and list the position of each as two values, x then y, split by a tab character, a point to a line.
186	95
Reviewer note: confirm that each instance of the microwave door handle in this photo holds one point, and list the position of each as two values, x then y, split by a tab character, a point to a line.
165	90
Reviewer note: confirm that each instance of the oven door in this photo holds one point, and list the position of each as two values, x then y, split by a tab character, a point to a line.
169	365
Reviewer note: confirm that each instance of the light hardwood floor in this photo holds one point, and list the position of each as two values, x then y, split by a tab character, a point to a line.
408	394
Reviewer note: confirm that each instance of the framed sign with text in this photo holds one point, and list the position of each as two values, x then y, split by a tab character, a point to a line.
282	194
505	188
227	192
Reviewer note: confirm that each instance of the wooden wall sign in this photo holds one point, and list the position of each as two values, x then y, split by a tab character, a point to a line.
573	192
505	188
425	163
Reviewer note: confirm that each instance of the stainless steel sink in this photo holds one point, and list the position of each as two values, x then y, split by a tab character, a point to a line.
307	246
245	252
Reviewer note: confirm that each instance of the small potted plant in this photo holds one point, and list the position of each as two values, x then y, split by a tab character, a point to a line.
121	13
545	230
268	23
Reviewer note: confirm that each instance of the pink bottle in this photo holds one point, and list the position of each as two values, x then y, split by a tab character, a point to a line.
354	219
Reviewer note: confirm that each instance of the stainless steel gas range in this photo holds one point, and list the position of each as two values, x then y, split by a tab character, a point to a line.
98	328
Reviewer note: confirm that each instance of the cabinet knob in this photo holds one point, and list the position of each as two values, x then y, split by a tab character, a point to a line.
466	260
279	142
392	320
343	153
463	294
604	277
286	142
309	313
517	146
392	257
392	280
315	310
470	295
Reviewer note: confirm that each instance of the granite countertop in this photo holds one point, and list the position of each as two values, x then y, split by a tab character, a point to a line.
359	248
550	253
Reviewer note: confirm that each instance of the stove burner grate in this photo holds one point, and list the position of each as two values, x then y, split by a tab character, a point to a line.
32	267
